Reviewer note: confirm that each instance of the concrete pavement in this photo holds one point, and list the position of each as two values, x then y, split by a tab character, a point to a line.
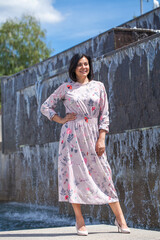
96	232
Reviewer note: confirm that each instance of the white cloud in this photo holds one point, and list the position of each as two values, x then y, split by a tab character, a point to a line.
41	9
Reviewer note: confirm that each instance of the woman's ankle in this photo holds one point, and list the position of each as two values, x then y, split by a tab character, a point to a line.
122	222
80	221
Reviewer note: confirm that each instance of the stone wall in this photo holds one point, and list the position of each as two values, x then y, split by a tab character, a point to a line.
149	20
28	165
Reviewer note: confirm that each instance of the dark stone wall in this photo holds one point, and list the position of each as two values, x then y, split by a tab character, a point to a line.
136	175
149	20
131	79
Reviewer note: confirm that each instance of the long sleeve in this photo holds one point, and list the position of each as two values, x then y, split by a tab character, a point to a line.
104	110
49	105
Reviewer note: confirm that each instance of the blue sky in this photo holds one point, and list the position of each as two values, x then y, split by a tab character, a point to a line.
69	22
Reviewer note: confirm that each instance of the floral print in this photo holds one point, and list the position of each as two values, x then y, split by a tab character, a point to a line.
83	176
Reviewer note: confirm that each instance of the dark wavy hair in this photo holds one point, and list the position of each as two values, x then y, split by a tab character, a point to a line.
73	64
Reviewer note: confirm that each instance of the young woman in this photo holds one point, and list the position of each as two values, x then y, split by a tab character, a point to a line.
84	174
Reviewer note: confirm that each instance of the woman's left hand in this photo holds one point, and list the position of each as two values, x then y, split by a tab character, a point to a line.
100	146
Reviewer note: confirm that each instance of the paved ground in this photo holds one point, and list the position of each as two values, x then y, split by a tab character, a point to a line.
96	232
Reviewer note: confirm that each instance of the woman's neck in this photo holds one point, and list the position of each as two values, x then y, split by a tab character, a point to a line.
83	80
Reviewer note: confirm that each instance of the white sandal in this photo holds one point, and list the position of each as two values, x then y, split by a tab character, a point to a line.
122	230
81	233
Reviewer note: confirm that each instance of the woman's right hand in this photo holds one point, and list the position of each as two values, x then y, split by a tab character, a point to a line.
68	117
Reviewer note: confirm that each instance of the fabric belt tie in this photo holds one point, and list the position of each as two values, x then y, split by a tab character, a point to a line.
86	118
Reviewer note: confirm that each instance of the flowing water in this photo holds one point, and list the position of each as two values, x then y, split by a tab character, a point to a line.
18	216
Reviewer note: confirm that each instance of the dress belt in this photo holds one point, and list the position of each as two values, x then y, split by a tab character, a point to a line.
86	118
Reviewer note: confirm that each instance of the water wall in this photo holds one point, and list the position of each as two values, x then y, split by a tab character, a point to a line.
149	20
28	165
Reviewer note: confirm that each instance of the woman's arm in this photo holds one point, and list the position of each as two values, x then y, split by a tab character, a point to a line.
48	107
103	122
104	110
100	144
102	134
68	117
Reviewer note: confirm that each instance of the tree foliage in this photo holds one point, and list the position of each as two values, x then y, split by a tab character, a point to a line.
22	44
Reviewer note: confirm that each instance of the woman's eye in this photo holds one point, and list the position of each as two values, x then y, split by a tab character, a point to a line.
80	65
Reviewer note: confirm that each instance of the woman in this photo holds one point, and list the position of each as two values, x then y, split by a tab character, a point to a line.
84	174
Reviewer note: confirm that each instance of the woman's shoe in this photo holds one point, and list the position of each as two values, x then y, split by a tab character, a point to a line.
81	233
122	230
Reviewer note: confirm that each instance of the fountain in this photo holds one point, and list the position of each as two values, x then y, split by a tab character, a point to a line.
129	68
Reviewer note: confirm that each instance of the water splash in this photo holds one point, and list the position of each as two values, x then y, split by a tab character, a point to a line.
16	216
134	159
17	119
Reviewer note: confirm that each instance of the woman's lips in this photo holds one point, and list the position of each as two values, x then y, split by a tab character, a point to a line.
83	71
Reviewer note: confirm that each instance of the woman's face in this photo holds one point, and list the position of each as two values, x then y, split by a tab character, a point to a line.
82	69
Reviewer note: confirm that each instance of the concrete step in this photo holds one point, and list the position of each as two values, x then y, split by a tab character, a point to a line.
96	232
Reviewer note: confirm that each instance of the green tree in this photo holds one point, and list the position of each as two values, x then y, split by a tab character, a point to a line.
22	44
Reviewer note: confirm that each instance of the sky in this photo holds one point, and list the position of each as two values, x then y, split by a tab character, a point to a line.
70	22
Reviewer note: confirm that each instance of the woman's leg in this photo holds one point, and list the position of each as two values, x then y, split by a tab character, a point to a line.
79	217
116	208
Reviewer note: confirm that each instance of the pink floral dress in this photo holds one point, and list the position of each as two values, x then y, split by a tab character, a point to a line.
83	176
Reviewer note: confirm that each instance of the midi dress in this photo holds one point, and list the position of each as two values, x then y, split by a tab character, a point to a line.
83	176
